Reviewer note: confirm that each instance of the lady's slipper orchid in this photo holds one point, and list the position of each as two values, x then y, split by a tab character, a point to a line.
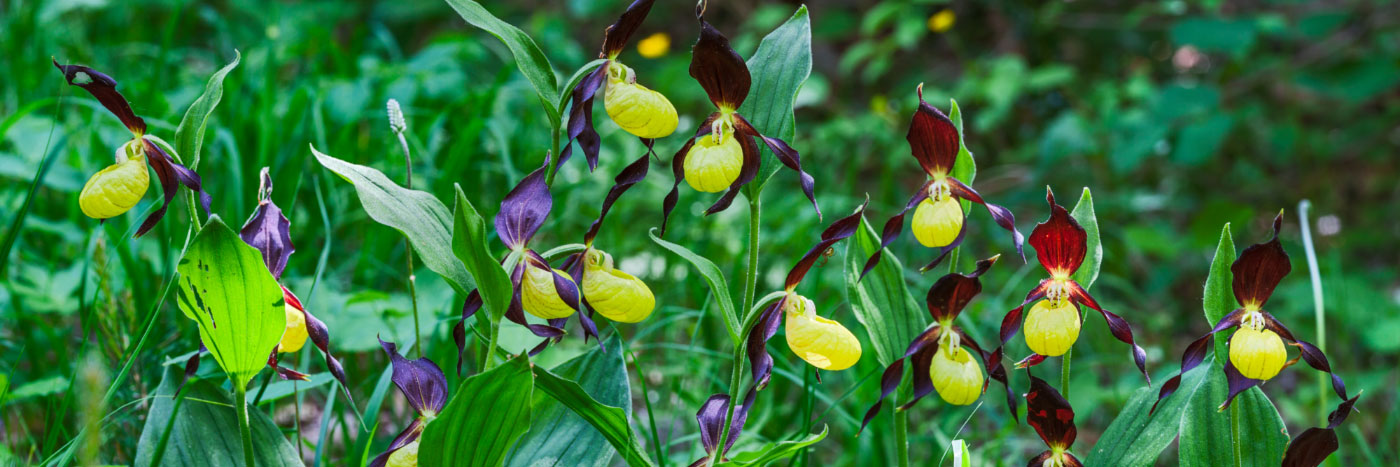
116	189
645	113
1257	351
1053	324
711	416
722	154
424	385
938	216
940	354
1053	419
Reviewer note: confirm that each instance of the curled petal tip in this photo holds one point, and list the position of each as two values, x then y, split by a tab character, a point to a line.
920	90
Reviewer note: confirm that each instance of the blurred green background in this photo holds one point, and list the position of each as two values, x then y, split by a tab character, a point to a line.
1181	116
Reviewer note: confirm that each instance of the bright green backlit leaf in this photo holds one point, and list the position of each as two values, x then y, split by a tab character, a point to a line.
189	136
487	414
771	453
781	64
1093	256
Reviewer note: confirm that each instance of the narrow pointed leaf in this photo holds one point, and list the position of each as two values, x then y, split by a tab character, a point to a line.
778	68
1219	299
771	453
1093	256
1136	438
965	166
469	234
487	414
205	430
528	56
714	277
189	136
604	373
1205	429
881	301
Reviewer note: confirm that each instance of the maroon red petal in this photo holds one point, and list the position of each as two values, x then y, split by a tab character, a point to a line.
616	36
718	68
1001	215
997	373
1259	269
842	229
945	250
1310	353
1237	383
1059	242
630	175
171	176
757	349
933	138
789	158
420	380
104	88
408	435
951	293
893	227
524	209
1012	321
1315	444
320	337
1050	414
1116	325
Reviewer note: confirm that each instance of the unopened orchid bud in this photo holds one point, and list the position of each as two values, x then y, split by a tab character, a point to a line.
615	294
714	162
1051	329
956	376
638	110
406	456
1257	353
824	343
294	337
937	223
117	188
539	295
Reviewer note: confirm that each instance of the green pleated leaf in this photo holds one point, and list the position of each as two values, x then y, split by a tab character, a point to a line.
773	452
1136	439
714	277
418	215
469	243
881	301
488	412
528	56
1093	256
1219	297
205	430
225	288
965	166
779	67
189	136
1205	430
582	404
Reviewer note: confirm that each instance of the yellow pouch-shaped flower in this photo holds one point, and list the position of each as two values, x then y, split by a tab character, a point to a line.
539	296
115	189
824	343
406	456
616	295
294	337
1051	330
638	110
937	223
956	377
711	166
1257	353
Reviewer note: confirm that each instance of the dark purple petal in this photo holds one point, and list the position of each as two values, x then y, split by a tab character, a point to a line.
923	380
932	138
616	37
951	293
408	435
1237	383
1050	414
459	331
1318	361
171	176
285	373
1116	324
892	228
1259	269
789	157
269	231
1001	215
630	175
104	88
764	328
580	127
574	265
718	68
842	229
889	381
1060	242
420	381
524	209
1315	444
747	172
711	417
516	314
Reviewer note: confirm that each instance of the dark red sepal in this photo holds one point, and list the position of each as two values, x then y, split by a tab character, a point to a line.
1001	215
1259	269
1237	383
421	381
269	231
920	362
574	266
1309	353
1031	360
524	209
1313	446
616	36
933	139
951	293
1012	321
1195	354
1050	414
889	381
630	175
104	88
718	68
787	156
842	229
1116	325
890	232
1059	242
171	176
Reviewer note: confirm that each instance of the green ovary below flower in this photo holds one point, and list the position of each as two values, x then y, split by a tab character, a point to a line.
638	110
1257	353
1050	329
295	336
713	163
937	221
117	188
406	456
539	296
956	376
824	343
615	294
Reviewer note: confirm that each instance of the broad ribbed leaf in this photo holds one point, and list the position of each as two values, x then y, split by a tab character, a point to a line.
576	411
965	166
1093	258
714	277
418	215
487	414
882	301
205	431
1205	430
528	56
189	136
225	287
778	68
1135	438
469	243
773	452
1219	298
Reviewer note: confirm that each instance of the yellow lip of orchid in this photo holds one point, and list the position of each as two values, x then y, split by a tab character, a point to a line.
116	189
937	221
539	297
714	161
1257	352
615	294
635	108
822	342
295	335
406	456
1051	328
956	376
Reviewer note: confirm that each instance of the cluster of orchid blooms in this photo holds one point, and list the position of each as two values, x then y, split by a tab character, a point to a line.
723	155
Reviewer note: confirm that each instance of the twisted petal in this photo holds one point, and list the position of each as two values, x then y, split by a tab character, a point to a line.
1315	444
631	175
1116	324
1259	269
321	338
1310	353
1050	414
546	292
269	231
104	88
763	329
1001	215
678	170
1237	383
789	158
524	209
842	229
1059	242
1195	354
580	126
171	176
420	381
747	171
890	232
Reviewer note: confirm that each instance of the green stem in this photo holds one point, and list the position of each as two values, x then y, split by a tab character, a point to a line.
1064	372
495	332
165	435
1235	432
750	285
241	398
751	276
549	171
413	295
901	437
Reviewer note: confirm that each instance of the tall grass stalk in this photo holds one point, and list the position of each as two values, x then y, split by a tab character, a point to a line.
399	125
1318	310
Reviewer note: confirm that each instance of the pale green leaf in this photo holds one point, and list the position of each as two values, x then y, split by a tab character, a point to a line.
881	301
776	451
1093	256
469	243
225	287
189	136
528	56
714	277
779	67
487	414
1219	297
605	375
1205	430
1135	438
205	430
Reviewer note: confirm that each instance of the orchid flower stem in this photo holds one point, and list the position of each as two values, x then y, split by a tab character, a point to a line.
549	171
241	398
413	295
750	285
1235	432
1318	311
1064	372
901	437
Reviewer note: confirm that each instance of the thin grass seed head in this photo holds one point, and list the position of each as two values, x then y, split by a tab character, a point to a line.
396	120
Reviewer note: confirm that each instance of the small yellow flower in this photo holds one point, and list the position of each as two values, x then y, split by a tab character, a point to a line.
406	456
937	220
539	296
1051	329
1257	353
640	111
294	337
941	21
824	343
956	376
714	162
655	45
616	295
117	188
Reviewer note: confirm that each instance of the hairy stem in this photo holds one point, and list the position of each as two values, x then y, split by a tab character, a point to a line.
241	398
